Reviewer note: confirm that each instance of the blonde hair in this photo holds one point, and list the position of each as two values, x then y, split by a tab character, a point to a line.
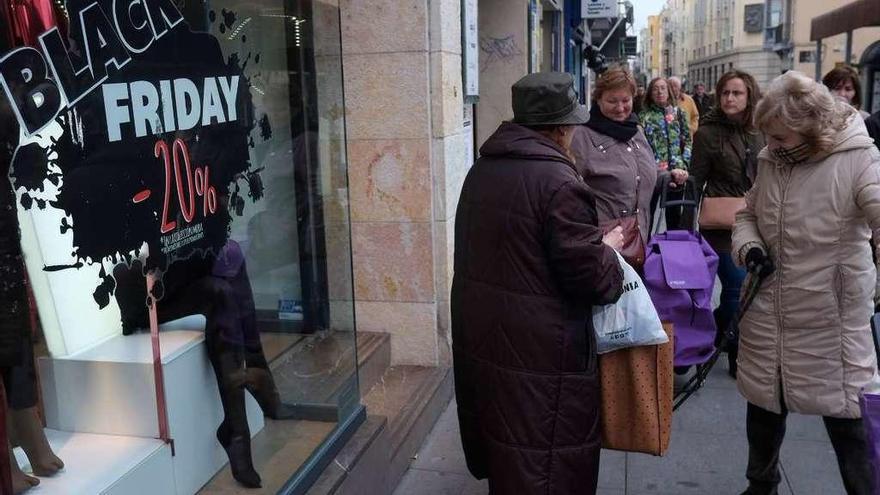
806	107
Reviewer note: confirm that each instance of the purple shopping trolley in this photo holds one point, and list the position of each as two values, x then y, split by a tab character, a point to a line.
680	269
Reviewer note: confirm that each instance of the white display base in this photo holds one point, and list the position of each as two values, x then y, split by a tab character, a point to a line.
109	390
106	465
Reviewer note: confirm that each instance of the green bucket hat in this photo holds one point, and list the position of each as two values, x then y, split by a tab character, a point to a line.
547	98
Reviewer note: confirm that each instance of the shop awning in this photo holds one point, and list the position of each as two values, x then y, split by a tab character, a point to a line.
858	14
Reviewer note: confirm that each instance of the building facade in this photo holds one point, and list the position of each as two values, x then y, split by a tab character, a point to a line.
729	35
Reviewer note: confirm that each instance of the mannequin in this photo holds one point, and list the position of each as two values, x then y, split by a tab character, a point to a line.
217	287
17	368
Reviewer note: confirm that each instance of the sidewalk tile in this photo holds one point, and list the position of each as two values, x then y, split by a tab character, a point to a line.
811	467
717	411
421	482
442	449
801	427
612	470
696	463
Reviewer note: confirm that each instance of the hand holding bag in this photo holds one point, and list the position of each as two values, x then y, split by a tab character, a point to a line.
633	249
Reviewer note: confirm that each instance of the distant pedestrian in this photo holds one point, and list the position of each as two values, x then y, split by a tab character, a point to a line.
530	263
668	134
805	343
639	99
725	162
873	125
686	103
616	160
844	82
702	99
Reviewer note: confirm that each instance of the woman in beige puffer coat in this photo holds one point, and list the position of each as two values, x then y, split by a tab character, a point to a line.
805	343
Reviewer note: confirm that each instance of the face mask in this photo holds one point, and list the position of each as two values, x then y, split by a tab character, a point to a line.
794	155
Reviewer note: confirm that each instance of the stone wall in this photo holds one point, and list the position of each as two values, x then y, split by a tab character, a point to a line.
406	161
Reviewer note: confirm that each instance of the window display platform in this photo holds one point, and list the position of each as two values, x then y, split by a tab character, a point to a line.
106	465
109	390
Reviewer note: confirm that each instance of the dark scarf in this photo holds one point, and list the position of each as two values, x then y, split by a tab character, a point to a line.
620	131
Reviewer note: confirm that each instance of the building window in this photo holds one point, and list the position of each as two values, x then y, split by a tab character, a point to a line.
807	56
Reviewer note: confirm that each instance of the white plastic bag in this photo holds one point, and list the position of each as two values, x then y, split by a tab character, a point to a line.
631	321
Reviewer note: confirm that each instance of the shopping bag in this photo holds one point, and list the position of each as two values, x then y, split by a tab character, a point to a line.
636	391
631	321
870	406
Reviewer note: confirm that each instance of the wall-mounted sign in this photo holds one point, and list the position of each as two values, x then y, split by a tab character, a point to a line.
470	43
591	9
753	21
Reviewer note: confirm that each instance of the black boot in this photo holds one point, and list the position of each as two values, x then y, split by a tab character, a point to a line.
261	385
233	433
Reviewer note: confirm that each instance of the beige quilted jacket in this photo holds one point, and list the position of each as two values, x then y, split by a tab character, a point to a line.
807	339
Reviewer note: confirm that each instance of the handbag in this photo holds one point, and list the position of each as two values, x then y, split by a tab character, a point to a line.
633	249
636	397
720	213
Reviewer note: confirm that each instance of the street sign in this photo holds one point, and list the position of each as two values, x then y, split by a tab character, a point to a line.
591	9
630	46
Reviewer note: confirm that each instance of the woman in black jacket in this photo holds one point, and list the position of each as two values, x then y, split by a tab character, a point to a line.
726	147
529	265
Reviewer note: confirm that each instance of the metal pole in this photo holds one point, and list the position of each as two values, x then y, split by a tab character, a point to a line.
818	60
848	56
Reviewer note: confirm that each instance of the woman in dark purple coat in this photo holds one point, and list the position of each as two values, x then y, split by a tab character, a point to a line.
530	263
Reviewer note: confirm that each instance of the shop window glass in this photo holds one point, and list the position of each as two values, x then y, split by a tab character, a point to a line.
181	167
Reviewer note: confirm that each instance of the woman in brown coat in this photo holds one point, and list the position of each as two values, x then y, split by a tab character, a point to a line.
725	161
805	342
614	157
530	263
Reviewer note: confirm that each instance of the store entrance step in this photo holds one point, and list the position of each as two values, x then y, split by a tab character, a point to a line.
402	407
109	390
106	465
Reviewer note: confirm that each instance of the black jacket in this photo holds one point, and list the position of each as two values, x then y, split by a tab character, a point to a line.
725	160
529	266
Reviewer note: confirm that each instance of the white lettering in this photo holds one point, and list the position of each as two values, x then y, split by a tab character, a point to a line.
212	108
229	87
116	114
168	123
144	107
187	104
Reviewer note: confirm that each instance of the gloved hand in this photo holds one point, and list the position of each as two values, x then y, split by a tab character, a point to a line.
758	262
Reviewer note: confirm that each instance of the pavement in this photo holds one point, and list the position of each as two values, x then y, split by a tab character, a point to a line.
707	454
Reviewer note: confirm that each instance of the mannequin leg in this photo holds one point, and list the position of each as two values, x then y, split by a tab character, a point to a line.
233	433
213	297
259	380
21	482
25	426
30	435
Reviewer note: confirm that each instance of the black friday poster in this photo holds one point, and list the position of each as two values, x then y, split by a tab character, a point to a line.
150	146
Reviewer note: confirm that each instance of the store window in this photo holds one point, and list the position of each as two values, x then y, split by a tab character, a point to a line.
181	291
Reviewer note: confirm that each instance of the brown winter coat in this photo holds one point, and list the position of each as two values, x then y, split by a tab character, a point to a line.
808	329
725	161
621	175
529	266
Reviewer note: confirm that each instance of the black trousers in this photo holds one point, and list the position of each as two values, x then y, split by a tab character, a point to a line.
765	431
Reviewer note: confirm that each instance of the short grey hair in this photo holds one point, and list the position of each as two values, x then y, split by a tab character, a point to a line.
806	107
